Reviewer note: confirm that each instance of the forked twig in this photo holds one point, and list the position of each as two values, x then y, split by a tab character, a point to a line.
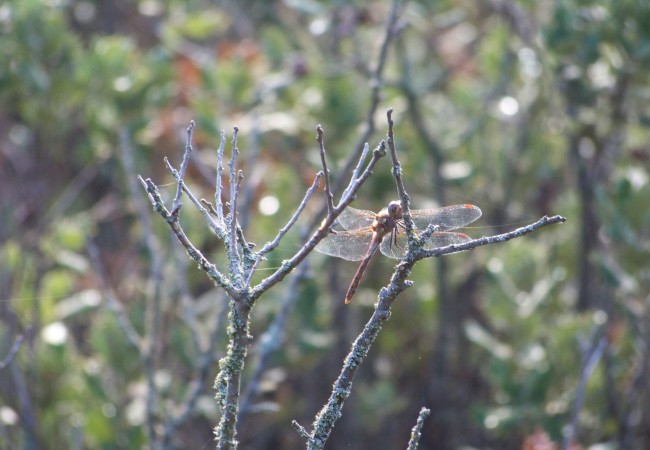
238	287
290	264
173	222
217	227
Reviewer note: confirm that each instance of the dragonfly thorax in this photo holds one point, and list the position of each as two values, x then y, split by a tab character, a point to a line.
384	223
386	220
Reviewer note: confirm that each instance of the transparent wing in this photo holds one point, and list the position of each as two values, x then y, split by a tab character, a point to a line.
397	248
447	218
350	245
352	218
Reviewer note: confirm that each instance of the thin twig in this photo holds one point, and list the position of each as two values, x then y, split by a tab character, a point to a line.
376	84
207	205
416	432
357	170
13	351
186	159
323	230
21	393
217	227
112	302
250	259
218	203
185	409
271	245
172	220
188	303
144	218
149	342
486	240
592	351
252	153
326	173
300	429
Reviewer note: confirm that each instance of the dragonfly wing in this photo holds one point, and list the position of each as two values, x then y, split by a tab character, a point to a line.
350	245
352	218
396	247
442	239
447	218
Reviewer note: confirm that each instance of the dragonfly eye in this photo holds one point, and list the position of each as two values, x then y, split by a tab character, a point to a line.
395	210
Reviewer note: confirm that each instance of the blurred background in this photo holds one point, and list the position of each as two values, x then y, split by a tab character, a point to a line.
110	336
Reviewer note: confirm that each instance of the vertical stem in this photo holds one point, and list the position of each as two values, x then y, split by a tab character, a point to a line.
228	381
218	204
233	255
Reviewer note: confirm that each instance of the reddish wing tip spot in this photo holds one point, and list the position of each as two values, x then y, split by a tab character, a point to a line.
467	205
463	235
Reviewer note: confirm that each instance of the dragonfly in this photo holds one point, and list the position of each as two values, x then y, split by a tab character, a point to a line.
366	231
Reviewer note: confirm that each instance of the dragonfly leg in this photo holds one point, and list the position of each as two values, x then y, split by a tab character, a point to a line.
393	236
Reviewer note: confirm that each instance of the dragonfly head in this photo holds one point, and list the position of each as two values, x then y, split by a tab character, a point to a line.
395	210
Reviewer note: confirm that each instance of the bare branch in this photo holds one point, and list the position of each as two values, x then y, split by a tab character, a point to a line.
13	351
150	339
592	351
206	361
247	192
300	429
375	97
486	240
328	415
269	246
218	203
172	220
217	227
150	239
207	205
186	159
323	230
355	183
377	82
357	170
112	302
326	173
416	432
